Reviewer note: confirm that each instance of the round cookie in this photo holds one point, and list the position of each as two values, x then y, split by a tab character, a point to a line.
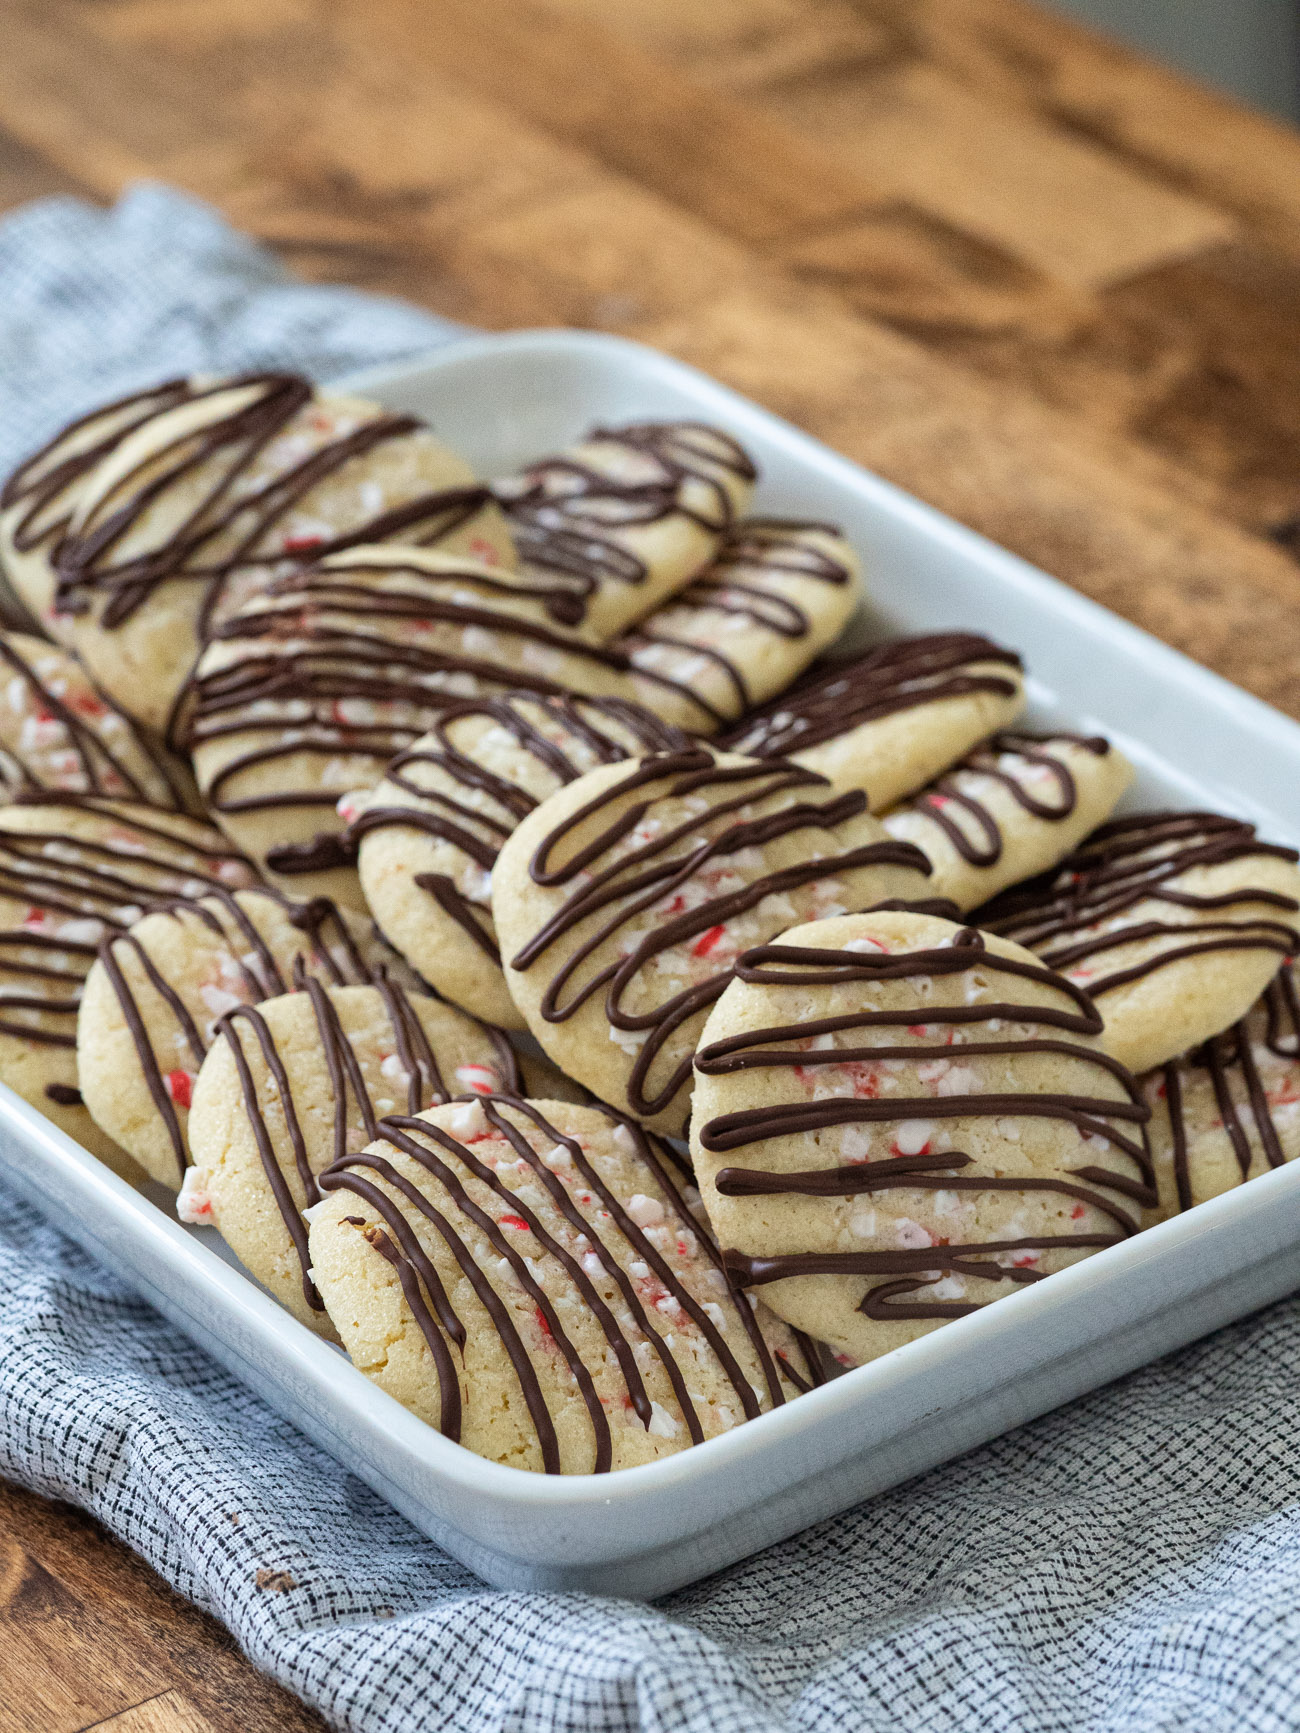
207	502
299	1081
1173	922
157	992
618	523
893	718
777	594
1011	808
428	836
309	691
73	869
58	732
898	1120
527	1276
623	900
39	499
1229	1110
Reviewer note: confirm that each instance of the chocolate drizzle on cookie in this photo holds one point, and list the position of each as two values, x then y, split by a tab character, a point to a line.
1232	1063
482	808
620	884
758	560
76	888
232	525
796	1046
892	677
450	1210
569	518
98	767
328	948
335	669
418	1063
43	480
980	841
1088	906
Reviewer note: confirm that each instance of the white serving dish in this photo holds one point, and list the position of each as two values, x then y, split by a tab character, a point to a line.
1197	741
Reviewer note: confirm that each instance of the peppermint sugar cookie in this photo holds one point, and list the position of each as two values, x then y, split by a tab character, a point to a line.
154	997
207	501
622	901
615	525
299	1081
1229	1110
39	499
58	732
428	836
776	595
893	718
1011	808
528	1277
1174	922
308	690
899	1120
75	869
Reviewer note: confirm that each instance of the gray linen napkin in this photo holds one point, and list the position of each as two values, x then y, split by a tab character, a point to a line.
1130	1563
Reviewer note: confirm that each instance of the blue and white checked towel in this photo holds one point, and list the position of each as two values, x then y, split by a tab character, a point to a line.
1131	1563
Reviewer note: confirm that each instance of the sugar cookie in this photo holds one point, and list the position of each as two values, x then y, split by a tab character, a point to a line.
39	499
58	732
157	992
892	718
776	595
622	901
428	836
1229	1110
74	868
527	1276
897	1120
308	691
299	1081
207	501
1011	808
618	523
1174	922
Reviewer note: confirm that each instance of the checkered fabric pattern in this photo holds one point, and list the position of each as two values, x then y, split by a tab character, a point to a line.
1127	1565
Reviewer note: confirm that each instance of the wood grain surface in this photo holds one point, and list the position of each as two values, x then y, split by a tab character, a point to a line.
1041	282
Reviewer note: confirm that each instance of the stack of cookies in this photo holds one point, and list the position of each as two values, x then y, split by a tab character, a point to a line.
560	977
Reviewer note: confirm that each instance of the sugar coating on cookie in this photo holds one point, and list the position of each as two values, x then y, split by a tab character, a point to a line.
207	501
75	869
775	595
529	1278
899	1120
429	835
892	718
1011	808
618	523
622	902
58	732
1228	1110
39	499
308	691
1173	922
157	992
299	1081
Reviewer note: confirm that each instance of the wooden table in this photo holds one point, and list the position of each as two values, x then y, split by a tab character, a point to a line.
1038	281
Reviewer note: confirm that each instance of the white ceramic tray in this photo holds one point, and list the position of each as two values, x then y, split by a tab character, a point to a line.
1196	740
